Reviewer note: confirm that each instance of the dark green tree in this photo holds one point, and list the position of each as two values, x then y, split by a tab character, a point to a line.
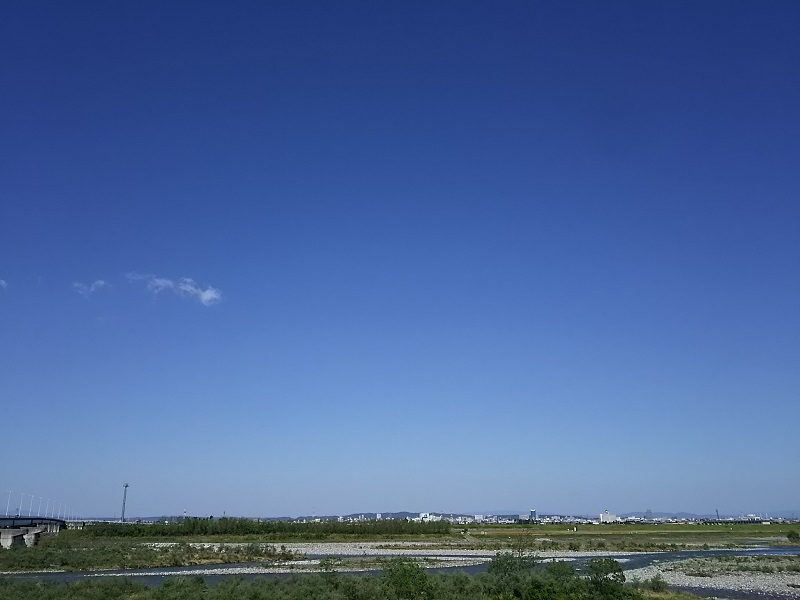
561	571
407	579
509	563
606	578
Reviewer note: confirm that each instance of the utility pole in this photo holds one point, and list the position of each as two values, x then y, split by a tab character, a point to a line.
124	497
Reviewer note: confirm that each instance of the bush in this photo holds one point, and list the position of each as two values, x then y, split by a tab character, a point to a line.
607	579
605	571
561	571
506	563
793	536
656	584
406	578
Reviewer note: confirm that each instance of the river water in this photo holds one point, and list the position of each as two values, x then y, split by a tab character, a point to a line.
156	577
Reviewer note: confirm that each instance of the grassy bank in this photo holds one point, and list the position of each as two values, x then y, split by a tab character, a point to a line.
394	534
725	565
60	553
121	546
632	538
509	576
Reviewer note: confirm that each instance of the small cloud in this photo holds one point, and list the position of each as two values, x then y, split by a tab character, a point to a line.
87	290
207	297
159	284
183	286
3	284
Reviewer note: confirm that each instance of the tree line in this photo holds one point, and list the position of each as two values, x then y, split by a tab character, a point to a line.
266	529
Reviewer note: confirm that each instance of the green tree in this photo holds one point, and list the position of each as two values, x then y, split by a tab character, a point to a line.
561	571
329	574
407	579
606	578
605	570
507	563
793	536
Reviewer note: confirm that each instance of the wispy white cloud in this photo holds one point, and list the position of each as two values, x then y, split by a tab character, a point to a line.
87	290
3	284
183	286
207	297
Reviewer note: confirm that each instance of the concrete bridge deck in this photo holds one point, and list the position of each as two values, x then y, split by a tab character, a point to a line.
18	531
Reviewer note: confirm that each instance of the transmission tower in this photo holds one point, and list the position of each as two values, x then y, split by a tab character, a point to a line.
124	497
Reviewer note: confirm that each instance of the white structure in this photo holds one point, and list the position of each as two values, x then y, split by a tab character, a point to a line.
607	517
427	517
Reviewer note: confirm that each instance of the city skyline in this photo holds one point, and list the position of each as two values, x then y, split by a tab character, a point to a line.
58	509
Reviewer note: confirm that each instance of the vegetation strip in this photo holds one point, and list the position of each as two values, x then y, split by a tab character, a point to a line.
508	576
60	554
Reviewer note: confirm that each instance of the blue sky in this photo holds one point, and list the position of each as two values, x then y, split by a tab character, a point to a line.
294	257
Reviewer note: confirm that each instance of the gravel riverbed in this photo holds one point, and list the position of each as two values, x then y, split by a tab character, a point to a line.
401	549
768	584
749	584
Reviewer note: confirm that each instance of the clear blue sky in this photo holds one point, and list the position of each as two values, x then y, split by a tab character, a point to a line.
271	258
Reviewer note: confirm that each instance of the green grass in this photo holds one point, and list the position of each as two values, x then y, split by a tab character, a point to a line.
724	565
533	538
59	553
511	577
631	537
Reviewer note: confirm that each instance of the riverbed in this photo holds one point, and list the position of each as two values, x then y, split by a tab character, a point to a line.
641	566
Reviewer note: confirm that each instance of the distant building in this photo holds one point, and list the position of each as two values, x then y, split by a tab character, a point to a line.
607	517
427	517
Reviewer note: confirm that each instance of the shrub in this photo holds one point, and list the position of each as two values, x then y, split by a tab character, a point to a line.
605	571
606	579
407	579
656	584
561	571
506	563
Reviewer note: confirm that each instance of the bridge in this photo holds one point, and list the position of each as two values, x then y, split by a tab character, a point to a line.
16	531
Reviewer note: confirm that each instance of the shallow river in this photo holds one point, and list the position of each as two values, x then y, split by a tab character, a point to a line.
216	573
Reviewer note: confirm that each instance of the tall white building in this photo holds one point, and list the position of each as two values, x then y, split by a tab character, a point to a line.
607	517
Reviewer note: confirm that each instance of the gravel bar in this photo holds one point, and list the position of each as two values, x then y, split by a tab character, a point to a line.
772	584
398	549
